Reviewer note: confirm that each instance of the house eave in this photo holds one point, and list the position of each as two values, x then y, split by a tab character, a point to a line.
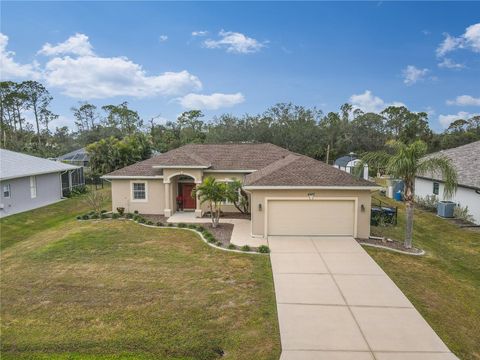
441	181
180	167
128	177
291	187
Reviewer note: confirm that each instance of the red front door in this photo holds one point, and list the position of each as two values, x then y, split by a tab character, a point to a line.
189	202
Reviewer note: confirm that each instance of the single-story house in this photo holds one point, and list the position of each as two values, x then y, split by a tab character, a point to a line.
28	182
349	162
290	194
466	160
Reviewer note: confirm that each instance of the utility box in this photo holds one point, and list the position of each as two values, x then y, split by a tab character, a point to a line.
445	209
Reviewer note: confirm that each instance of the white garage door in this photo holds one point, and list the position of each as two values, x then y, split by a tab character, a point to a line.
311	217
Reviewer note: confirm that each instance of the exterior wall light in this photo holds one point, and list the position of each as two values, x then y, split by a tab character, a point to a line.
362	208
259	207
311	196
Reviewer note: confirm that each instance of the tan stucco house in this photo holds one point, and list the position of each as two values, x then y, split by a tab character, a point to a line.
289	193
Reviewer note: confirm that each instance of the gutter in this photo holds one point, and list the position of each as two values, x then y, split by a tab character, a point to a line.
371	188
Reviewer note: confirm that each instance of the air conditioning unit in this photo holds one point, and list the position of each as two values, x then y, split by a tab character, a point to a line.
445	209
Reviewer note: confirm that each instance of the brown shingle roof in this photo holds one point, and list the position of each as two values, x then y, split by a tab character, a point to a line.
300	170
466	160
274	165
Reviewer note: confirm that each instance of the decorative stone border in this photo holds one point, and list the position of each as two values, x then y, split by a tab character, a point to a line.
183	228
421	253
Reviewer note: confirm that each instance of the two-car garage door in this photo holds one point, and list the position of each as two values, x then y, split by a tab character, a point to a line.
311	217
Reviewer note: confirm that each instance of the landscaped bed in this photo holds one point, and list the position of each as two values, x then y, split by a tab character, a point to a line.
444	284
117	289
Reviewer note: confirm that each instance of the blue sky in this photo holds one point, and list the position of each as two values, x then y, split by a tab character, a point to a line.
164	58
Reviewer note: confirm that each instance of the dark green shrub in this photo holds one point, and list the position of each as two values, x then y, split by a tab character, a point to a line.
149	222
191	226
103	216
115	216
170	224
219	243
211	241
264	249
232	247
200	228
159	223
121	210
91	212
135	212
94	216
79	190
182	225
103	211
245	248
85	216
78	217
141	220
129	216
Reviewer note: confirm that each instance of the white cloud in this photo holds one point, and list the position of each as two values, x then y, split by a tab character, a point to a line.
412	74
77	44
446	120
199	33
211	102
163	38
234	42
450	64
367	102
9	68
114	76
465	100
468	40
105	77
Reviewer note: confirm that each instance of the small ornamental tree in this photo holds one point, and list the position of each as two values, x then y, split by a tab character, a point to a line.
237	196
214	193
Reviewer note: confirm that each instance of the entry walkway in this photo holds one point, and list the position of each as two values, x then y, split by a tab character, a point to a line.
334	302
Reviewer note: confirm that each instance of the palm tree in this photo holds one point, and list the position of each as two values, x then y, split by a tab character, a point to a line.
214	193
405	161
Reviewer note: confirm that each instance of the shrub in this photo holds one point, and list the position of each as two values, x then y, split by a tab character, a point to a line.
191	226
264	249
200	228
170	224
159	223
136	212
428	202
115	216
219	243
85	216
129	216
141	220
79	190
232	247
121	210
245	248
79	217
462	213
149	222
103	216
91	212
211	241
94	216
103	211
182	225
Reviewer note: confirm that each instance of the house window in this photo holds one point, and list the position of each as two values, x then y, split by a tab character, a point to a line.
33	187
139	191
436	188
6	191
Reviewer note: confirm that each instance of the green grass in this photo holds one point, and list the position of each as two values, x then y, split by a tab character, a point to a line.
444	285
118	290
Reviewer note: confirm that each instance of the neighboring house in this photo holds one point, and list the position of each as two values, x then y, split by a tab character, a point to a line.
28	182
466	160
290	194
349	162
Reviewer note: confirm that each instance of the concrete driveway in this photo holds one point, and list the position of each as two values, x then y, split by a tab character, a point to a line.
334	302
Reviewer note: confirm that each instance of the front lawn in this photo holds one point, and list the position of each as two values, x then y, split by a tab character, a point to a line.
115	289
444	285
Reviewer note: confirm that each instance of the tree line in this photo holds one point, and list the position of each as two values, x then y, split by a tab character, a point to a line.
116	135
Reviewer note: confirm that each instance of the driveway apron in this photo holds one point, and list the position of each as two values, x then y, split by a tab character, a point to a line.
334	302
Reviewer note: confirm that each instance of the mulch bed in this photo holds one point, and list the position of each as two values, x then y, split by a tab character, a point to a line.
231	215
223	232
391	244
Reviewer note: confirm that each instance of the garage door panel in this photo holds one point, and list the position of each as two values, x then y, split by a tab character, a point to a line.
311	217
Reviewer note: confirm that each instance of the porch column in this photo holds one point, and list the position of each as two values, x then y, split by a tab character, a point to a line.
168	199
198	208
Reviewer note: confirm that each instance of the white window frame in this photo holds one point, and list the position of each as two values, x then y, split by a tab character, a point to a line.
33	187
7	188
131	190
